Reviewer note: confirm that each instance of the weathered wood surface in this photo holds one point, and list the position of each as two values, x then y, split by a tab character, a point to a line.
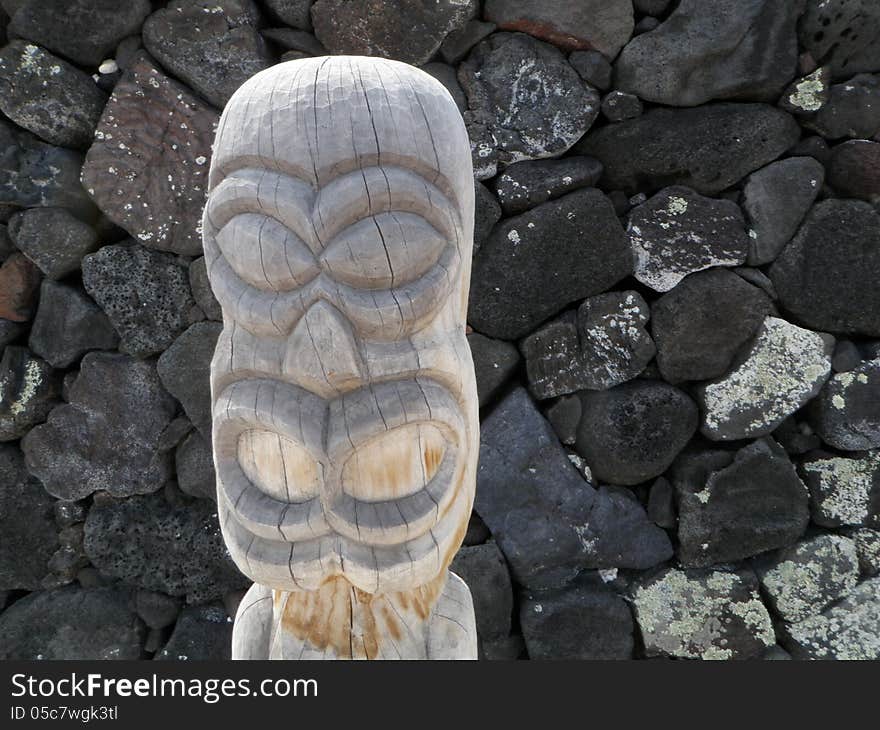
338	236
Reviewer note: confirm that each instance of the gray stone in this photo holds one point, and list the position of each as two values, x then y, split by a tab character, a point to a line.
604	345
483	568
194	465
727	49
843	490
678	232
618	105
868	549
202	633
85	31
593	68
550	523
807	95
804	579
289	39
601	25
459	42
107	437
146	542
211	45
845	34
661	504
27	524
698	614
10	332
494	363
292	12
775	199
847	356
701	324
583	621
71	623
651	7
826	277
156	609
565	415
68	325
852	110
784	368
29	389
145	294
854	170
185	372
53	238
530	100
487	212
399	29
201	290
524	185
708	148
534	264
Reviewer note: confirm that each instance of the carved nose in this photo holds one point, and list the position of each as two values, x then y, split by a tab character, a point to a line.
322	352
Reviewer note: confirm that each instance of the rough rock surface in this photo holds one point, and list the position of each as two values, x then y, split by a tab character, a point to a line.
53	238
93	443
807	95
147	542
700	324
484	570
604	345
145	294
733	506
27	524
201	290
534	264
529	99
212	45
846	414
202	633
29	389
548	521
868	549
632	433
292	12
678	232
854	170
727	49
852	110
725	142
844	33
601	25
148	167
19	284
194	465
775	199
784	368
72	623
843	490
47	96
494	363
524	185
702	615
406	31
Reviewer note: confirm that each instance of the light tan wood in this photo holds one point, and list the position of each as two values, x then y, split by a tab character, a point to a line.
338	235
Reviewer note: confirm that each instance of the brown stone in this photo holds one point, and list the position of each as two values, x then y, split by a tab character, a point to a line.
19	284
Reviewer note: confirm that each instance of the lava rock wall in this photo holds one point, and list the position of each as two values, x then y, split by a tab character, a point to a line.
674	317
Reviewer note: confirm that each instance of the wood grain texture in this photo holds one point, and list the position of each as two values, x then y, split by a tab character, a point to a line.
338	236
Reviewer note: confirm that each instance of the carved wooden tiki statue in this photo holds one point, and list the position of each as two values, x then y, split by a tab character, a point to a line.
338	235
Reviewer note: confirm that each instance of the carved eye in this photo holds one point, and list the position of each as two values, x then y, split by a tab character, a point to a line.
395	465
384	251
265	254
278	467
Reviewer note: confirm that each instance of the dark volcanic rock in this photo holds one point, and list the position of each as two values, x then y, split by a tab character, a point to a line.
631	433
68	325
212	45
406	31
601	25
201	290
827	276
775	200
727	49
487	212
868	549
855	170
845	34
534	264
202	633
593	68
494	363
19	285
733	506
700	324
107	437
194	465
292	12
483	568
53	238
807	95
33	173
565	415
156	609
583	621
72	623
29	389
853	110
85	31
604	345
27	524
708	148
144	293
530	100
847	412
619	105
47	96
548	521
524	185
289	39
699	614
148	166
147	542
185	372
457	44
678	232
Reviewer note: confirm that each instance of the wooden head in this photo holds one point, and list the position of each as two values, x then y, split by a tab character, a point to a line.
338	236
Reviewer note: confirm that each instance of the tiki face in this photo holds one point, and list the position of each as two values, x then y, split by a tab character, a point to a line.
338	236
